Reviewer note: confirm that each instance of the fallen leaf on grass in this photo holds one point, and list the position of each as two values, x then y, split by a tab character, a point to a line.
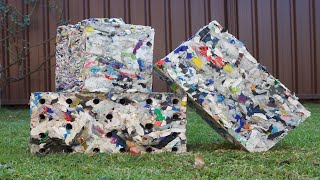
316	163
198	161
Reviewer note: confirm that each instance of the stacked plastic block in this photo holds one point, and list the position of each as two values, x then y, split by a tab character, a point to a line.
104	101
237	96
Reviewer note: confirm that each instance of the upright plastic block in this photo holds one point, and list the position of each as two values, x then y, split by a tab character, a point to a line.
118	58
237	96
103	55
70	48
107	123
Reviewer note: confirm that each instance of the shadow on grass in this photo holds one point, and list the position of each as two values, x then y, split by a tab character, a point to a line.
211	147
286	147
225	146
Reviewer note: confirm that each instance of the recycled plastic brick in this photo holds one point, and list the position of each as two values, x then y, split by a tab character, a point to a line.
70	46
107	123
118	58
236	95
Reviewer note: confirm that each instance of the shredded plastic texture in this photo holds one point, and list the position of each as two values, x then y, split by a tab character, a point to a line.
235	94
107	123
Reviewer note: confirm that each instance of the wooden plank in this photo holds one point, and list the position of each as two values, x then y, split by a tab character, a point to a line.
245	24
3	91
77	11
198	16
26	81
285	55
53	18
36	35
217	11
117	9
138	12
316	22
158	22
96	8
232	16
17	88
11	58
304	78
177	23
264	32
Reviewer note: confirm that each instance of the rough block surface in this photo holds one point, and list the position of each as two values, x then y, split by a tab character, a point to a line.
237	96
104	55
107	123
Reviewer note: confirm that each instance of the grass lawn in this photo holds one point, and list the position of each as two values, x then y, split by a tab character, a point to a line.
297	156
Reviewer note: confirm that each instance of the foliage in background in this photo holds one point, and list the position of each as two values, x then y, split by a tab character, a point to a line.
14	24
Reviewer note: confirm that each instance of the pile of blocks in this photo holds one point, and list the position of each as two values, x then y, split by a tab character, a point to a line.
104	100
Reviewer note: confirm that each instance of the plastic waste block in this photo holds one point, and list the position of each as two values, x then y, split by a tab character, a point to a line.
236	95
118	58
70	46
107	123
103	55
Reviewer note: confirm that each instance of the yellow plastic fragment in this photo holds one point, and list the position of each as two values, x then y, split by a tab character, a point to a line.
90	29
234	89
197	62
228	68
75	103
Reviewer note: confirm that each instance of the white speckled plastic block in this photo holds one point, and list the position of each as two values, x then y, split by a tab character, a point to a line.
107	123
103	55
237	96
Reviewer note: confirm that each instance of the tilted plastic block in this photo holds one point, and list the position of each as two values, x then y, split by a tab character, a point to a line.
107	123
237	96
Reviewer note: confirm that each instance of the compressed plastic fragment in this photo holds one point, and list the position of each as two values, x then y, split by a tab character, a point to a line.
234	93
107	123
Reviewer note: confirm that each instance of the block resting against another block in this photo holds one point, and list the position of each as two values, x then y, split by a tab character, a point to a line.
107	123
237	96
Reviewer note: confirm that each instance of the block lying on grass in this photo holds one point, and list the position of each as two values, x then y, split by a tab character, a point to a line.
100	55
108	123
235	94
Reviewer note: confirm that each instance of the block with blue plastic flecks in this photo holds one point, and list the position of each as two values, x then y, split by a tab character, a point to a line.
103	55
107	123
236	95
118	58
70	47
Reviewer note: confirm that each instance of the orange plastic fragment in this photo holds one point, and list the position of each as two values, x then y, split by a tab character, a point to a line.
157	123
